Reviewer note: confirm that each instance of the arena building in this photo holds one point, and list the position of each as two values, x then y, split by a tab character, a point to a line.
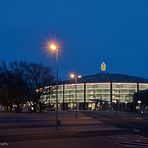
95	91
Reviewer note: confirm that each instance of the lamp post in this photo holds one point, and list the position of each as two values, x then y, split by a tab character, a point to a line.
53	46
125	105
116	101
139	102
76	77
39	92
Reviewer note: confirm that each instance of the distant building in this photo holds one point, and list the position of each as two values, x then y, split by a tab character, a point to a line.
140	100
95	91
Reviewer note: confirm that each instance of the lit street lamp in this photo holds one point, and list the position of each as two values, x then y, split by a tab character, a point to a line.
125	105
116	101
76	77
139	102
38	93
53	46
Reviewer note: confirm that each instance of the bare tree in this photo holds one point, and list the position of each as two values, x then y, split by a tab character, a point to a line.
19	82
6	86
37	76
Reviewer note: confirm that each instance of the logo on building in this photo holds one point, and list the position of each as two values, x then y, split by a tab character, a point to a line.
103	67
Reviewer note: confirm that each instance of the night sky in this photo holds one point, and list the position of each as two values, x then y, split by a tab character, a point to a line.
91	31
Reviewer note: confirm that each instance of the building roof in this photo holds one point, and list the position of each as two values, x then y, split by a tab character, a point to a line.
108	77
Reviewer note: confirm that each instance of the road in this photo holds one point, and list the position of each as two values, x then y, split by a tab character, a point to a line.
89	129
135	122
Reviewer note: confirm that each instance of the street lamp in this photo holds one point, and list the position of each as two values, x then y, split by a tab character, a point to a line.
39	92
76	77
125	105
116	101
139	102
54	47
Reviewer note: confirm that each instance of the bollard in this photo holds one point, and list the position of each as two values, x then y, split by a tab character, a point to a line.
58	123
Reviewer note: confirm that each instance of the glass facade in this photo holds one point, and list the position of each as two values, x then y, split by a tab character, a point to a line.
97	92
73	93
143	86
92	93
123	92
100	91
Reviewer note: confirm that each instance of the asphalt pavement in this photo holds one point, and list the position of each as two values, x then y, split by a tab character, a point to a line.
88	129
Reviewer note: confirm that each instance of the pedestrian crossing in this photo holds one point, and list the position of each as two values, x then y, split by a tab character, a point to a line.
130	140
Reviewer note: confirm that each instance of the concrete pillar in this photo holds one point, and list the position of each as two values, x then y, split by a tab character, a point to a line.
111	92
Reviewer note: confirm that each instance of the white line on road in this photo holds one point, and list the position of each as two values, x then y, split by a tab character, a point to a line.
3	144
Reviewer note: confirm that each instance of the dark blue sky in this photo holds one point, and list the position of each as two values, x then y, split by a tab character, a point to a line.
92	31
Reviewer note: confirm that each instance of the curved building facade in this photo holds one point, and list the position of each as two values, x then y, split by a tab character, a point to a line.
92	91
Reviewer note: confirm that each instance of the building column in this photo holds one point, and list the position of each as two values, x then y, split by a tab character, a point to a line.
137	87
134	101
49	94
111	92
85	96
63	93
63	106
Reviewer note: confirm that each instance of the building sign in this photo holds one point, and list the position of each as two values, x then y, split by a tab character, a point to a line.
103	67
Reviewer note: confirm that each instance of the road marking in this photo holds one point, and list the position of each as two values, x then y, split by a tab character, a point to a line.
3	144
136	130
120	137
134	144
130	140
